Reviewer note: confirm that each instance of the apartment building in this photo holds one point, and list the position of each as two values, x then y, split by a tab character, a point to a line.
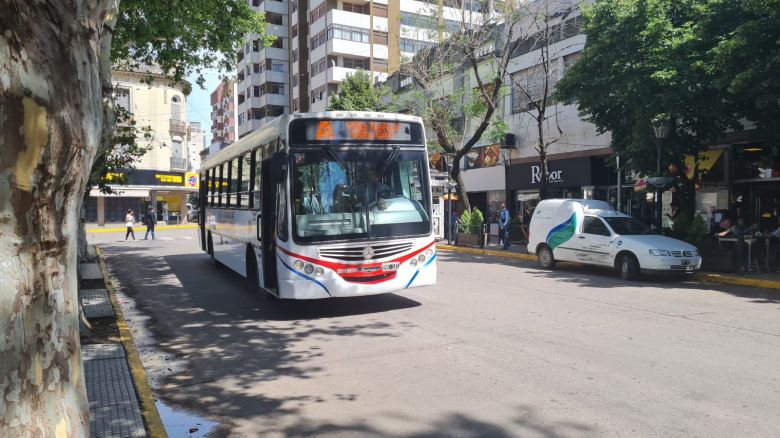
224	129
320	42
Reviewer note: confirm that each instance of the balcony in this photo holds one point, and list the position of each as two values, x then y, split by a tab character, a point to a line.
178	164
178	127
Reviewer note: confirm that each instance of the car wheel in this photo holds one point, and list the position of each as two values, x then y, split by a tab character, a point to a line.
629	267
545	257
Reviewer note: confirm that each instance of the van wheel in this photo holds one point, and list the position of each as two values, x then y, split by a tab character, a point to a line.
629	267
545	257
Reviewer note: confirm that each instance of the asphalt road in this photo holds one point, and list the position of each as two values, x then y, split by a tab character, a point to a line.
497	348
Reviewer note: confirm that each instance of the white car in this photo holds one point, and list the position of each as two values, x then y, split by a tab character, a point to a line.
592	232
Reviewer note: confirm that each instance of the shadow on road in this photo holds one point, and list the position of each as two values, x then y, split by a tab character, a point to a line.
598	277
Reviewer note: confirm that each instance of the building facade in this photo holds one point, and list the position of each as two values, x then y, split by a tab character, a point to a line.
224	129
196	143
160	178
320	42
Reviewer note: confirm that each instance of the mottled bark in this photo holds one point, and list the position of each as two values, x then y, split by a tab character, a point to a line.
52	115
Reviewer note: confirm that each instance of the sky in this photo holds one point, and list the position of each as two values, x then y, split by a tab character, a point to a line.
199	101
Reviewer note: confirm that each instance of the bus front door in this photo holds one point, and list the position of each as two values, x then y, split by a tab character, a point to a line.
267	227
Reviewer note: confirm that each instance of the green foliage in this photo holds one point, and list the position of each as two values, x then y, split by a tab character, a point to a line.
704	63
357	93
471	221
184	36
177	39
689	230
497	130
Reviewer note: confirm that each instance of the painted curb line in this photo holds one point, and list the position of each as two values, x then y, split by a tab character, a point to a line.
142	228
151	416
701	276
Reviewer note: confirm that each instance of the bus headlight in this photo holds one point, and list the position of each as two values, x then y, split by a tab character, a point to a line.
308	269
298	265
428	253
421	258
413	262
319	272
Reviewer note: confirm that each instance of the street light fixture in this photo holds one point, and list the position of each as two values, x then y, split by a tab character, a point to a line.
661	129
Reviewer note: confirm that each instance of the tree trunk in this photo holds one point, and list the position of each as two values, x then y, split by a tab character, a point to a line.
52	112
544	171
462	195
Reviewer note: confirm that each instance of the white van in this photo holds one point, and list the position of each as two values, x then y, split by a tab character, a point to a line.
592	232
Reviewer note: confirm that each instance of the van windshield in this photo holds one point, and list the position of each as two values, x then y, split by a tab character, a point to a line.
627	226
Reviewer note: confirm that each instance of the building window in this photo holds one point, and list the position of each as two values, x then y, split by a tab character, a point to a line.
380	65
356	63
413	46
295	55
294	5
175	108
294	31
318	13
318	95
358	9
258	68
319	66
255	46
349	33
319	39
380	10
380	37
241	118
277	66
558	32
275	88
528	87
122	98
295	105
278	43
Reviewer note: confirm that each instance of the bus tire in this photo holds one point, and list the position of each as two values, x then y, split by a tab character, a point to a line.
628	266
545	257
252	273
213	257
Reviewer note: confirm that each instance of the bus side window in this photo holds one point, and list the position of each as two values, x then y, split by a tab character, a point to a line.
257	180
212	186
221	195
246	175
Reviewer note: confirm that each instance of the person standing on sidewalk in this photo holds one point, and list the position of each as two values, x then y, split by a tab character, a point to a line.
150	220
130	219
503	226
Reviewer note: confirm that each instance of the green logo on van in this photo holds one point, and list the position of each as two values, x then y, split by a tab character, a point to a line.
562	232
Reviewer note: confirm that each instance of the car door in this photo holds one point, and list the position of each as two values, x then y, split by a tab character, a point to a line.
594	241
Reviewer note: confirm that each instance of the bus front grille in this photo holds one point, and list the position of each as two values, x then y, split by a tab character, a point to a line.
355	253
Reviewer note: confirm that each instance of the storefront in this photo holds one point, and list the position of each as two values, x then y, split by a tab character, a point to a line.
577	177
138	189
755	190
485	181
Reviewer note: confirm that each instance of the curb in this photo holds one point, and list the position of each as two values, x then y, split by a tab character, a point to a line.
701	276
142	228
151	416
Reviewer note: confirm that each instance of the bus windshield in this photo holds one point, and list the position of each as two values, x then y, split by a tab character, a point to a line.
341	193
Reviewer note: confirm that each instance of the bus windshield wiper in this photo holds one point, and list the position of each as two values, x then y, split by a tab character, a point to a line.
337	158
390	159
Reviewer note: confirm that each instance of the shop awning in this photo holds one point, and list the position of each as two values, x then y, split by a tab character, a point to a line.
527	196
120	193
707	160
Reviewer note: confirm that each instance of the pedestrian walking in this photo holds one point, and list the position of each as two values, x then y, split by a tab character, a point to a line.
503	226
454	221
130	219
150	220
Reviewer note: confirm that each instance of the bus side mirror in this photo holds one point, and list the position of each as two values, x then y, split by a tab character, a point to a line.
278	166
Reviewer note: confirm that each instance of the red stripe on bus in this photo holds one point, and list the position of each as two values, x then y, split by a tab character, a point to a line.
337	266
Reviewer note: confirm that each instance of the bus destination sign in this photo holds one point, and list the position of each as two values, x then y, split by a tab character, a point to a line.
361	130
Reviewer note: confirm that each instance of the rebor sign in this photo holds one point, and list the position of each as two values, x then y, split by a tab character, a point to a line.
555	176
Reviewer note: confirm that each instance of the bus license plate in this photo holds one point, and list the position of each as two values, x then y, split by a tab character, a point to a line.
392	266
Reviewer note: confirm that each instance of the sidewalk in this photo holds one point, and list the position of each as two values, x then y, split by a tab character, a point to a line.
120	401
117	227
519	251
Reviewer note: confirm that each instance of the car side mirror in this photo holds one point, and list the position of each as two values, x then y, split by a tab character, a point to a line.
278	166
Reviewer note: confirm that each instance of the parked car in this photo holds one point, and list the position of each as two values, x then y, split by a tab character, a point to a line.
592	232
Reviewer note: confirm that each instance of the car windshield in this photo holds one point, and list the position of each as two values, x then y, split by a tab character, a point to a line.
627	225
343	193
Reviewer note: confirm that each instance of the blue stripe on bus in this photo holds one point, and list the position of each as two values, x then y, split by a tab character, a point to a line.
304	276
430	260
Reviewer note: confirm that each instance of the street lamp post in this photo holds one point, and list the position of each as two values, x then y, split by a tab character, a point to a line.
661	128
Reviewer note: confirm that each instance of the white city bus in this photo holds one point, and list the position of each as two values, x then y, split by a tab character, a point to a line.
319	205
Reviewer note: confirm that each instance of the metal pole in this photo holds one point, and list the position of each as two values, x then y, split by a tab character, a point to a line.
449	212
658	219
619	185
